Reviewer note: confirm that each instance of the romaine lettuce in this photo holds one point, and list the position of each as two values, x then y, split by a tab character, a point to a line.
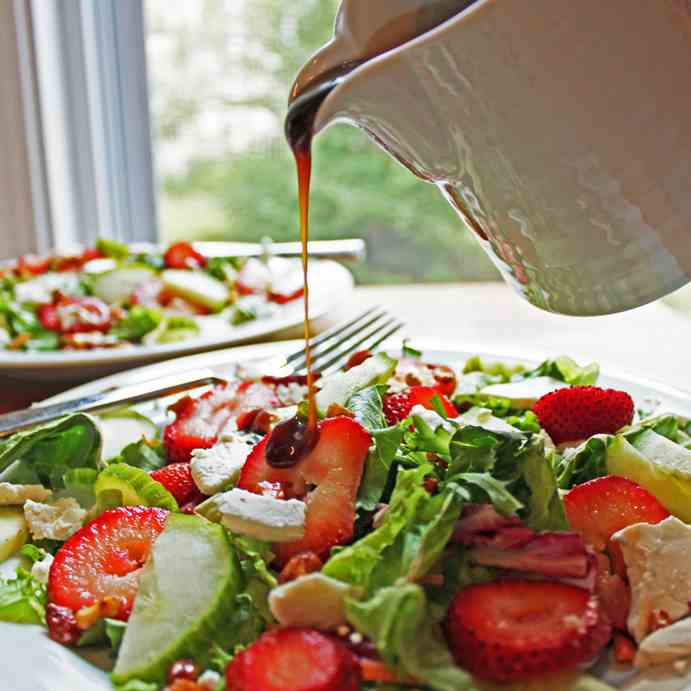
44	454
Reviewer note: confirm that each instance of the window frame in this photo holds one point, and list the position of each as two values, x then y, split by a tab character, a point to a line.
77	138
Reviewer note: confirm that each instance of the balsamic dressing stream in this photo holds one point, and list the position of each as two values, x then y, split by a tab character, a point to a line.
295	438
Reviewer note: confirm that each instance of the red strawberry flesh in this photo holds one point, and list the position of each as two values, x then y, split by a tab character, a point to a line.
516	629
199	421
103	559
578	412
599	508
177	479
182	255
294	659
333	468
398	406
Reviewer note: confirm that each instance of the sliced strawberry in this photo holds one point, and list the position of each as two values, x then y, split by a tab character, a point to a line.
599	508
414	372
75	315
334	467
515	629
578	412
32	264
103	559
177	479
624	649
199	421
282	299
182	255
294	659
397	406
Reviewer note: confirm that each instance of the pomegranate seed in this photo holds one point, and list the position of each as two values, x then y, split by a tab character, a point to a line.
183	669
62	624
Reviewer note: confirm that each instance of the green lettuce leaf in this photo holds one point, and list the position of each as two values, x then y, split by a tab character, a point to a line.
539	490
138	322
23	598
410	641
567	370
79	483
413	534
583	463
112	248
145	454
368	408
44	454
513	471
496	369
255	557
137	685
376	477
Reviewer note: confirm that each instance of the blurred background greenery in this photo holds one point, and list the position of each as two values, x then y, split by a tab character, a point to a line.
220	72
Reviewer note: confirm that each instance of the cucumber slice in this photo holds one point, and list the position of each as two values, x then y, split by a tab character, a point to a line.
120	429
658	465
339	387
197	287
124	485
117	285
186	598
13	531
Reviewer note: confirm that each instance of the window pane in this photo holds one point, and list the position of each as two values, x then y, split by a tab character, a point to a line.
220	75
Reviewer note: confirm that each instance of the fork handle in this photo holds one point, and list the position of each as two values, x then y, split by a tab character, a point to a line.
128	395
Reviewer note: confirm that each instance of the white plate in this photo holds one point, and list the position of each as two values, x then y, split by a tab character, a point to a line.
330	285
29	661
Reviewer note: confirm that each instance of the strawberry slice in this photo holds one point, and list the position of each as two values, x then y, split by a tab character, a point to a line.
32	264
397	406
102	561
177	479
515	629
334	467
285	298
75	315
294	659
599	508
578	412
199	421
182	255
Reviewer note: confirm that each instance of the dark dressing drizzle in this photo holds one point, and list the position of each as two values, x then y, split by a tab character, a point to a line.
295	438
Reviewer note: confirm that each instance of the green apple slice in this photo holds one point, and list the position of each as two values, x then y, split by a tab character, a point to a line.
118	285
124	485
13	531
197	287
186	598
658	465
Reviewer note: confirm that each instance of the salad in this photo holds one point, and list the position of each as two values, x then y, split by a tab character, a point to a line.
489	528
113	297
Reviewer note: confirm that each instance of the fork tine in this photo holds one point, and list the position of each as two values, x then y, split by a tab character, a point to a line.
337	362
341	350
328	346
333	331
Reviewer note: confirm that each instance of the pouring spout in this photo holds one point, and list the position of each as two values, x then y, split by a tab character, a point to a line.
363	30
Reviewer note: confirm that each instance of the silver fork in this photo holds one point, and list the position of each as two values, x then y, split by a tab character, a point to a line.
330	351
332	348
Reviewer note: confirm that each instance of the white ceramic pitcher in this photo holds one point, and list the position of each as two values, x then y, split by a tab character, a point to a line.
560	130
